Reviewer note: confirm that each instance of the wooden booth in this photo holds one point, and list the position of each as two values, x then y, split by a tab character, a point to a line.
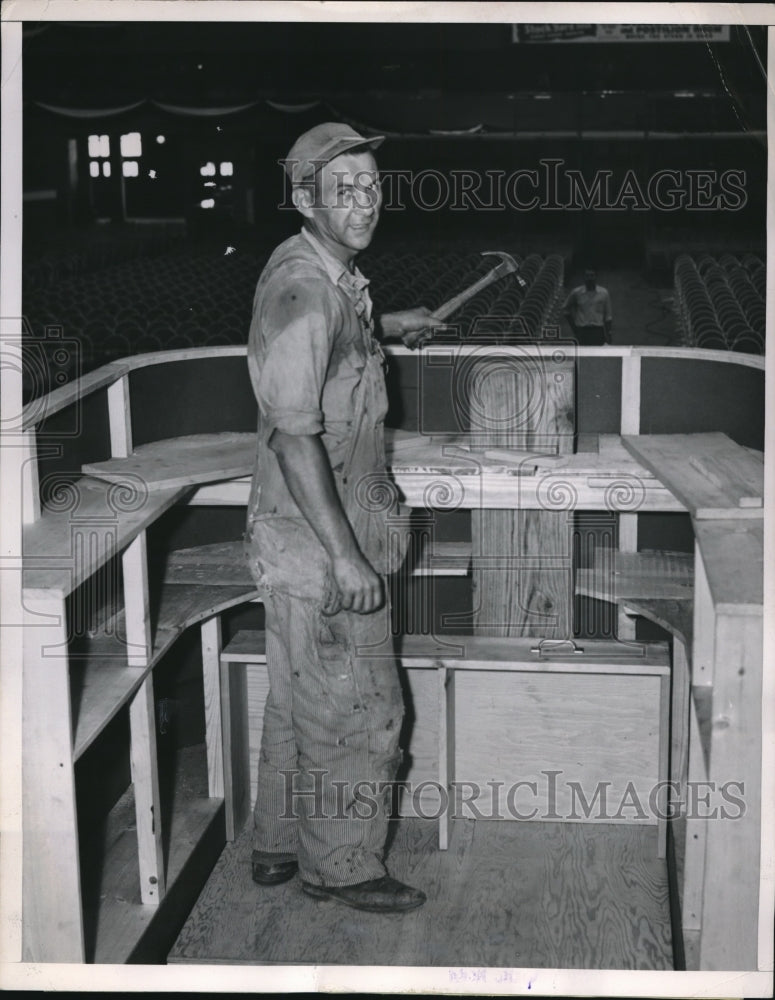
557	501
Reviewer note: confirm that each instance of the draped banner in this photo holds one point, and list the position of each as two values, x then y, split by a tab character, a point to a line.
620	32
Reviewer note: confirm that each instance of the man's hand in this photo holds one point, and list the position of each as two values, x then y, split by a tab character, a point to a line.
307	471
358	588
412	326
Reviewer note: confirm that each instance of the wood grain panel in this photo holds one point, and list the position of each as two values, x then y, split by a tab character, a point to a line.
522	565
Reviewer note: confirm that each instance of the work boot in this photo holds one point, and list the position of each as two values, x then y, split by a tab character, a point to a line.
379	895
273	869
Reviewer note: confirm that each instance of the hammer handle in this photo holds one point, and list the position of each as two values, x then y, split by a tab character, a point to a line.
457	301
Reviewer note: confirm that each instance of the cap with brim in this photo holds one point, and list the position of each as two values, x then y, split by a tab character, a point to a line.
320	145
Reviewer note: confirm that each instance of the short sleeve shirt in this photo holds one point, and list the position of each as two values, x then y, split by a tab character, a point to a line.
589	308
311	344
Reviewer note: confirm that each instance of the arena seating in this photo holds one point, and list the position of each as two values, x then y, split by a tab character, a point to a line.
720	302
203	297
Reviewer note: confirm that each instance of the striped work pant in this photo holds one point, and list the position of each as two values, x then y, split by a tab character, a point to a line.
330	742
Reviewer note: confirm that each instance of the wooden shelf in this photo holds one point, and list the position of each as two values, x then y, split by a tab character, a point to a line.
655	575
494	653
657	585
67	546
445	559
182	461
711	475
101	682
221	564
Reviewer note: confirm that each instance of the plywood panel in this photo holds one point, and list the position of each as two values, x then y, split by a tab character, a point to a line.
518	727
505	897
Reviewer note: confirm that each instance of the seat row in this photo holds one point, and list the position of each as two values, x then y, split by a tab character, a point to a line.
718	304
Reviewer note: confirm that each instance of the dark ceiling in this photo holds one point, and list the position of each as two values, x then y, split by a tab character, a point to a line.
80	62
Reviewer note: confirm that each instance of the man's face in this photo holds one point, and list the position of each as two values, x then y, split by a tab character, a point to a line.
590	277
345	211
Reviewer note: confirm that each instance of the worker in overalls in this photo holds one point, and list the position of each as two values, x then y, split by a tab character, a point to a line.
317	538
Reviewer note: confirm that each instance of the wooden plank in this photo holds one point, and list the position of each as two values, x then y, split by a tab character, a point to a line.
211	643
137	612
663	767
145	779
630	401
696	834
183	461
444	559
53	927
627	539
653	575
446	751
236	743
71	393
680	711
219	564
730	912
733	557
522	560
516	654
100	378
91	523
703	624
257	679
30	483
494	653
709	473
183	605
588	481
120	418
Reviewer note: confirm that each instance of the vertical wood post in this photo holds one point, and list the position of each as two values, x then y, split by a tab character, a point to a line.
53	925
210	632
30	484
236	745
522	560
120	418
145	777
729	936
446	695
630	424
142	724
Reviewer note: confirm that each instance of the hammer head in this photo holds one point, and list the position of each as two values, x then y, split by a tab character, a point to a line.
507	265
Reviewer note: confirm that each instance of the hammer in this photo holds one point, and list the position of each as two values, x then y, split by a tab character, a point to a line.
507	266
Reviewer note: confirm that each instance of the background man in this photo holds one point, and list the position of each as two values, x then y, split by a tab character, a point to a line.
317	541
588	310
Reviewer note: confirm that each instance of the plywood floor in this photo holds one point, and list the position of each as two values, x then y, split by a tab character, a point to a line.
506	894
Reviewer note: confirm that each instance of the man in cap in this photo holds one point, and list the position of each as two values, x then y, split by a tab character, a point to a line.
317	538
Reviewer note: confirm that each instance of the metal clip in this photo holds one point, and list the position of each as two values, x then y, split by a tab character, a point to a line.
552	645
